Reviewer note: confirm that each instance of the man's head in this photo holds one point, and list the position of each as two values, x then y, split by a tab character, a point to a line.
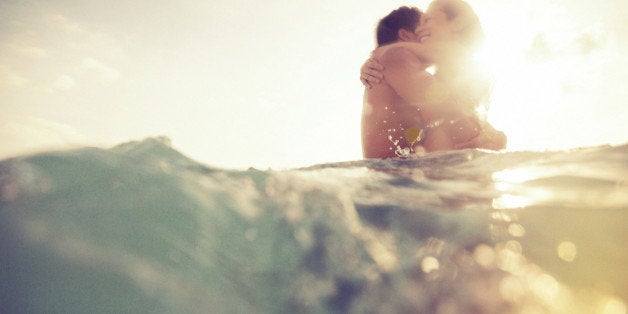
399	25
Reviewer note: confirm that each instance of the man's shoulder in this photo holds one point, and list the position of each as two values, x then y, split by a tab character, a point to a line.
397	55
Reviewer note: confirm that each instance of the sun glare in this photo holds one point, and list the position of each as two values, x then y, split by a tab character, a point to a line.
510	71
529	84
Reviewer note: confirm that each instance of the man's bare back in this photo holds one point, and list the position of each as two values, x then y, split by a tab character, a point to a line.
391	124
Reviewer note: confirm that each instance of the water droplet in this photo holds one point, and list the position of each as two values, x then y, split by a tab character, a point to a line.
546	287
567	251
484	255
516	230
429	264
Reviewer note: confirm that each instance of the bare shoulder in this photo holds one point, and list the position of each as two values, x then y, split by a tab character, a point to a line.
399	56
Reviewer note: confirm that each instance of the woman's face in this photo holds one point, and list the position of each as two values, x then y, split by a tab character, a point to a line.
435	27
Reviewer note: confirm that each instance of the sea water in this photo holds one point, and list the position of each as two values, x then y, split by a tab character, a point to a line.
140	228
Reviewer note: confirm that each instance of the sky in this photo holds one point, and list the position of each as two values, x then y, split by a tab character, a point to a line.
275	83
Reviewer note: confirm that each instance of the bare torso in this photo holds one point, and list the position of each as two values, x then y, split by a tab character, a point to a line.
387	120
393	126
390	124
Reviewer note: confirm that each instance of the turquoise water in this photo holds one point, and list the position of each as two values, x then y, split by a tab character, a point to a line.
140	228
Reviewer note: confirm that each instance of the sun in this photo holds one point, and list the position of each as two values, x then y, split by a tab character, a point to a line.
519	92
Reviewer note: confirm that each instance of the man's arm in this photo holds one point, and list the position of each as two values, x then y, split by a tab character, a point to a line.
371	71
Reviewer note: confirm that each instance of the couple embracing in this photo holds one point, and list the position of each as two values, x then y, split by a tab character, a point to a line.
424	86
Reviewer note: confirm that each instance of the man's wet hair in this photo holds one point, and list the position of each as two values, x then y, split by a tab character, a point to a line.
402	18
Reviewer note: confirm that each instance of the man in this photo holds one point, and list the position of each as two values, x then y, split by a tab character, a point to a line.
413	110
391	123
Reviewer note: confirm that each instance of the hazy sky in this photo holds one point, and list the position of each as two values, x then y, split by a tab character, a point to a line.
275	83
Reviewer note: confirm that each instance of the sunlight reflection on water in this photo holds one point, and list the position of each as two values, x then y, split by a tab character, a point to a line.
514	195
532	191
542	237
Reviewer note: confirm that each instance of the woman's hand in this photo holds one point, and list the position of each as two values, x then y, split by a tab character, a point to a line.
371	73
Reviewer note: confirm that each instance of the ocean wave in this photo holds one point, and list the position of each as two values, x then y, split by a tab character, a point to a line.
141	227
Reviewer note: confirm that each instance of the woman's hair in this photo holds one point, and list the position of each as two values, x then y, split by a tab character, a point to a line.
468	25
403	18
